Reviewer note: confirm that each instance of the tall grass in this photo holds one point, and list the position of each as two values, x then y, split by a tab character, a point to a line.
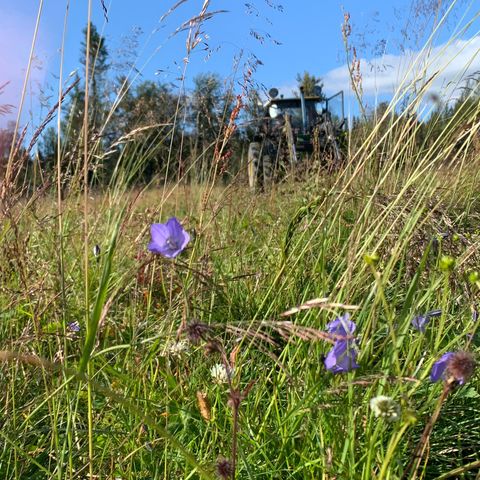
130	395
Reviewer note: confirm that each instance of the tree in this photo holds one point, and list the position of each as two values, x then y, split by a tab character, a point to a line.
97	96
312	85
48	148
20	156
210	105
146	117
72	128
97	70
207	106
6	139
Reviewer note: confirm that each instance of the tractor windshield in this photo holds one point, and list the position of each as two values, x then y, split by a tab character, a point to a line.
335	107
292	108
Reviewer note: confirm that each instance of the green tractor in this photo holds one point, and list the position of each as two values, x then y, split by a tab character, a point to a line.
293	129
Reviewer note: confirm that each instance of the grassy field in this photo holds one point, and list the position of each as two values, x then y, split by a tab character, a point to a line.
129	393
226	361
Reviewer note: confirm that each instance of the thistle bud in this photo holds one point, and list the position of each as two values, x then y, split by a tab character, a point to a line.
224	468
461	367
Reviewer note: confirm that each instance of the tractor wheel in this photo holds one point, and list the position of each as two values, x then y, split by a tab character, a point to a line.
270	162
337	154
254	165
268	170
333	147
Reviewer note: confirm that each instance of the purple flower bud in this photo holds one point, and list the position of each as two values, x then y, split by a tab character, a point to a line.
342	357
168	239
439	367
420	322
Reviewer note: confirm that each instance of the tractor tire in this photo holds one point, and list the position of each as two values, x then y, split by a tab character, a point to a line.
333	147
268	171
335	152
254	166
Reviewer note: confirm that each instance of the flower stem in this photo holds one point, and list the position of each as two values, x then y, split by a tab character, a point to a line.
420	449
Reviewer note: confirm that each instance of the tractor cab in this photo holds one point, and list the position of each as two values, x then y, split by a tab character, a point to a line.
303	114
289	113
291	129
292	107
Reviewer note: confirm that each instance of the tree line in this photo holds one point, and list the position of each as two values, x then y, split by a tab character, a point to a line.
171	135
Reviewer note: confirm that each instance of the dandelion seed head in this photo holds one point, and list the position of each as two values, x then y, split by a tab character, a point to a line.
175	349
385	407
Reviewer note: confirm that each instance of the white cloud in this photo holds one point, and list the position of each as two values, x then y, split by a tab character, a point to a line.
450	63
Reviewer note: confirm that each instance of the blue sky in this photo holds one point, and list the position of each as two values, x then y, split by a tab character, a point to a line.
292	36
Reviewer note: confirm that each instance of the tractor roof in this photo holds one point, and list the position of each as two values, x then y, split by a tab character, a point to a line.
279	100
295	99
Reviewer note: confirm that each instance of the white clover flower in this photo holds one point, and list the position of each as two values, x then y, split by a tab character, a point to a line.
386	408
219	373
175	349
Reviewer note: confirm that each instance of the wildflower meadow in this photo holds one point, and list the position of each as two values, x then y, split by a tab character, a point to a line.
161	319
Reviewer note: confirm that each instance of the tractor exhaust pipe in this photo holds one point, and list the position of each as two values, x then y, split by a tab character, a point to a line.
304	110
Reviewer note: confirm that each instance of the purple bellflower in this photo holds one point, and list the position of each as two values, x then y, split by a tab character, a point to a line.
343	355
168	239
420	322
342	326
439	367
